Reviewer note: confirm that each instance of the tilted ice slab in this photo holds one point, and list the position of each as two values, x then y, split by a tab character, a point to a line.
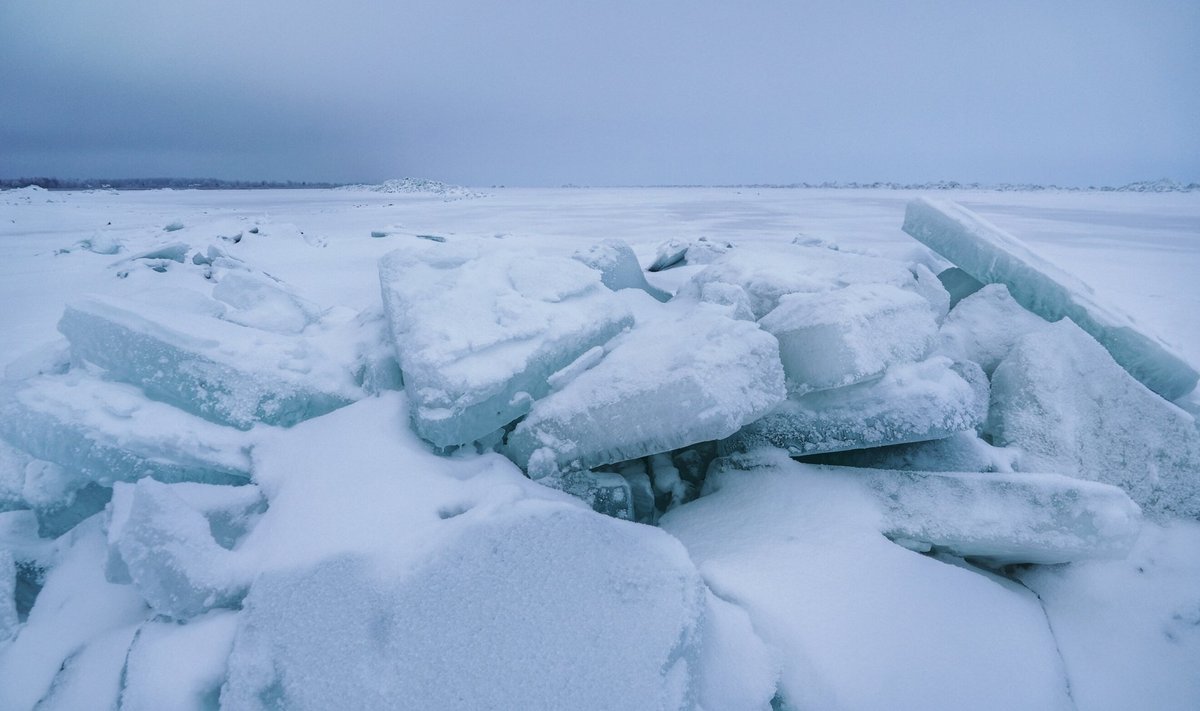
219	370
618	267
479	331
993	256
768	271
834	338
111	432
694	376
538	606
984	326
958	284
1062	399
169	551
678	252
910	403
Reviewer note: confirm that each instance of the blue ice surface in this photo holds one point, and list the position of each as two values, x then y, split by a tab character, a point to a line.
618	267
994	256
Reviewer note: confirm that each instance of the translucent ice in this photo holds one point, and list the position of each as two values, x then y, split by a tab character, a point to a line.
991	255
8	600
261	302
618	267
607	493
984	326
958	284
219	370
479	331
834	338
110	432
169	551
695	376
768	271
571	610
1062	399
910	403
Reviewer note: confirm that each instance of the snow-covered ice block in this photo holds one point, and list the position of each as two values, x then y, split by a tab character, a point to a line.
618	267
222	371
984	326
1062	399
478	331
694	376
910	403
677	252
958	284
993	256
111	432
539	606
12	477
768	271
173	666
169	551
932	290
833	338
258	301
961	452
606	492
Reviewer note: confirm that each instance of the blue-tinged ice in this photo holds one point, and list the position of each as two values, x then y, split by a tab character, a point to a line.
678	252
991	255
606	492
169	551
834	338
1063	400
958	284
984	326
258	301
479	330
8	596
174	666
110	432
221	371
910	403
693	376
618	267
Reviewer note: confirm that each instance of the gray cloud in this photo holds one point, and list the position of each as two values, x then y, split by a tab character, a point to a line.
602	92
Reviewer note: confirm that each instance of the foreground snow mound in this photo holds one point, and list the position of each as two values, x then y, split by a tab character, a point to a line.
110	432
840	337
768	271
221	371
1063	400
991	255
910	403
541	606
618	267
984	326
478	331
695	376
799	548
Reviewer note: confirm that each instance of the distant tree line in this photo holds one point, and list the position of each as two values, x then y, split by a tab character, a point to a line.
157	184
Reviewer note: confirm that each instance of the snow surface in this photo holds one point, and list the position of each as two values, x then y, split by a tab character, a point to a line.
483	587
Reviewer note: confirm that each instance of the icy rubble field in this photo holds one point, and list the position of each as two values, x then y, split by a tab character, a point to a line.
257	450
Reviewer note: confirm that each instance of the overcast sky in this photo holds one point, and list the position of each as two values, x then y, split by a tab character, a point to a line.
605	92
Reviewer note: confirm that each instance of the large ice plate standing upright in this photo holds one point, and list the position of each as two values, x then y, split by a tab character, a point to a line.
992	256
479	331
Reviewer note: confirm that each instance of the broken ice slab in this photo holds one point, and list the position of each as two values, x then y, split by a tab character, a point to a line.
991	255
958	284
677	252
479	329
694	376
1065	402
910	403
218	370
169	551
173	666
8	596
606	492
111	432
984	326
835	338
258	301
932	290
618	267
768	271
961	452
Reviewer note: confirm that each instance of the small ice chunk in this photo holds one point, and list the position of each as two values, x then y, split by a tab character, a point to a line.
984	326
1061	398
690	377
835	338
221	371
572	610
677	252
8	596
958	284
932	290
993	256
606	492
110	432
479	330
102	243
618	267
173	666
169	551
641	489
731	296
261	302
910	403
173	252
